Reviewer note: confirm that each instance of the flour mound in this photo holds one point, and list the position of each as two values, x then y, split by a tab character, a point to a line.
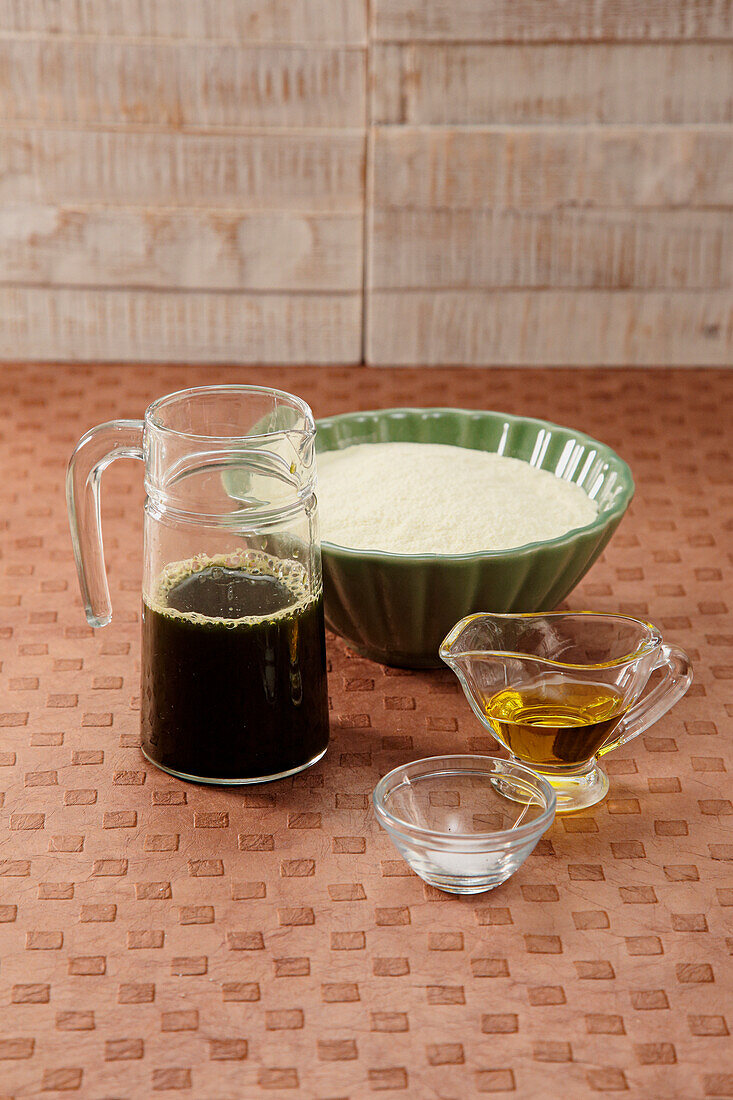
425	498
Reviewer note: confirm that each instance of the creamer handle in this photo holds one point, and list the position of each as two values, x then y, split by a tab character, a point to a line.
650	708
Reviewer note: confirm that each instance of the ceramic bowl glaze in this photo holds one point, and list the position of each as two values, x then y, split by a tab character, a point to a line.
397	608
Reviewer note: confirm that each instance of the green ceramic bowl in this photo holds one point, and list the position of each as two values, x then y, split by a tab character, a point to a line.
397	608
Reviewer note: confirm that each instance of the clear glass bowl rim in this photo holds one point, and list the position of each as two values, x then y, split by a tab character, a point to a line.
461	763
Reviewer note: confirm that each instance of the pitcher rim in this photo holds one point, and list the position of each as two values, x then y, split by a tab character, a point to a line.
152	420
649	645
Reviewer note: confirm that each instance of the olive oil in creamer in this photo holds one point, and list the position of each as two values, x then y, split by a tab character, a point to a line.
556	724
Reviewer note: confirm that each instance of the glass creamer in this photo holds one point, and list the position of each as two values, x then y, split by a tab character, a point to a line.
560	690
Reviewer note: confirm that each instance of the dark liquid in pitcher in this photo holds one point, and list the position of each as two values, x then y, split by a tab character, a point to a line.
234	674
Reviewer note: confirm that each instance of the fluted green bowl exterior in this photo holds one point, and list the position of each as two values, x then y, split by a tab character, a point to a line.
397	608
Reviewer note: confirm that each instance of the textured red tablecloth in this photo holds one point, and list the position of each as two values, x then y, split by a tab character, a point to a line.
164	938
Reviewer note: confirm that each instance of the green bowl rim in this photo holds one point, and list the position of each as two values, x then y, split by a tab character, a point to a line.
599	524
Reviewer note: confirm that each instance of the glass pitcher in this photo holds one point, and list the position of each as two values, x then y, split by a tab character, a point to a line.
233	640
560	690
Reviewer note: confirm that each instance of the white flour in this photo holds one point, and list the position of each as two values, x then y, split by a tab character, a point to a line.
424	498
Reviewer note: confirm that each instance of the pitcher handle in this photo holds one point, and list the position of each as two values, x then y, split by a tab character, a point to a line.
675	682
93	454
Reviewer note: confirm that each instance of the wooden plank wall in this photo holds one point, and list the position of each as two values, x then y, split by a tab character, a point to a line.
182	179
449	181
550	182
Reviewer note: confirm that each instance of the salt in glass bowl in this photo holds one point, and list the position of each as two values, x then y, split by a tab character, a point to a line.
464	823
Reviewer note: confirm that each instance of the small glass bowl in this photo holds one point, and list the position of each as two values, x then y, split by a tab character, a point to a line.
464	823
